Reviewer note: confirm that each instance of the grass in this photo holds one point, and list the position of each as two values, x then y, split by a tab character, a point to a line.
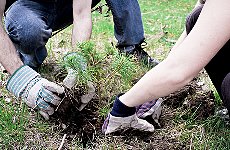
212	133
163	21
12	124
100	64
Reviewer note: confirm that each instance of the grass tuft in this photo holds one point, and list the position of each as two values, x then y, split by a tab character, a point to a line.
13	121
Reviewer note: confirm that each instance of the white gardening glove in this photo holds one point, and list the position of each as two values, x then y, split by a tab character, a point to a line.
37	92
152	108
85	99
113	124
119	118
70	79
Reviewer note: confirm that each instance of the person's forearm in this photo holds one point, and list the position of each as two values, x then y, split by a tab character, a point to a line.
81	31
180	40
168	76
82	21
8	55
207	37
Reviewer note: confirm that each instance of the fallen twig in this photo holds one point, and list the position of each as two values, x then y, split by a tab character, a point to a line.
62	142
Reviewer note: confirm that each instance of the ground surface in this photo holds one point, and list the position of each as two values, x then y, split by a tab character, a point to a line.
194	99
187	120
83	128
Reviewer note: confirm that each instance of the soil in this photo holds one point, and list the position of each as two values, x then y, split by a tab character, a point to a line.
86	124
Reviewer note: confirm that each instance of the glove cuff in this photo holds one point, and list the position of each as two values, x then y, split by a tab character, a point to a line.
20	79
120	109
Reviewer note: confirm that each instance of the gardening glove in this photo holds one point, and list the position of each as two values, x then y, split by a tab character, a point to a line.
85	99
37	92
70	79
152	108
114	123
74	57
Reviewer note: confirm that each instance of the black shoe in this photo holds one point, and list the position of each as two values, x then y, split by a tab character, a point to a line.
141	55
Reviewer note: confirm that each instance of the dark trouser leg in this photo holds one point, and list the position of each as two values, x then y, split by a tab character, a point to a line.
27	24
64	13
128	27
225	90
219	67
30	24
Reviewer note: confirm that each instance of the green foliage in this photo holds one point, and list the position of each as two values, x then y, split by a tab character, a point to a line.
212	133
200	132
90	53
218	100
103	111
112	73
125	67
1	76
12	124
108	69
78	64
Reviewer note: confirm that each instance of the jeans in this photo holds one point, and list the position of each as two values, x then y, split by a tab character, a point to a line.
30	23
